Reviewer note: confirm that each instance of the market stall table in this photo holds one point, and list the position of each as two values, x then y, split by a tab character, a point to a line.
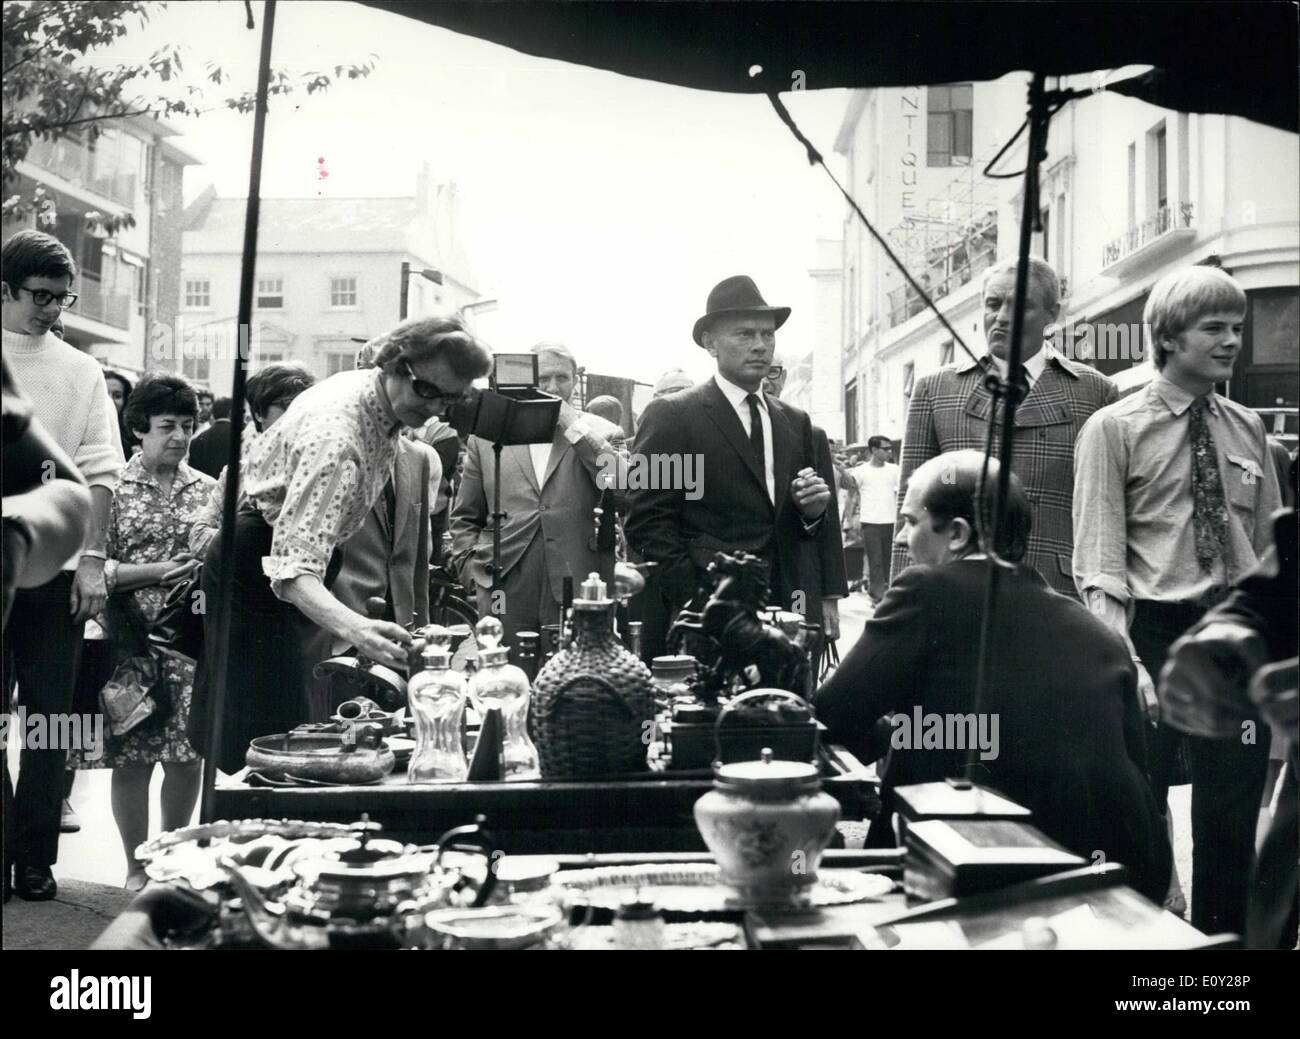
653	813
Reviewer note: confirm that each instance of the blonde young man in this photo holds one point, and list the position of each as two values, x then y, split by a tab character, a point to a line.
1173	490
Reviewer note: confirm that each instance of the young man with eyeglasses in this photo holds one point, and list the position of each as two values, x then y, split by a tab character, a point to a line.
43	640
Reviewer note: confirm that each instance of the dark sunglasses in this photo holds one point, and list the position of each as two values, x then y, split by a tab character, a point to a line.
43	297
430	390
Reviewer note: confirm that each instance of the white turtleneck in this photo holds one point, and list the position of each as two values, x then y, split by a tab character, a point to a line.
70	398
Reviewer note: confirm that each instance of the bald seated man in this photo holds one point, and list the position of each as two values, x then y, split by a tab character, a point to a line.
1060	730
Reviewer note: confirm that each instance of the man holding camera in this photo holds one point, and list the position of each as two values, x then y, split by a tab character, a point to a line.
549	494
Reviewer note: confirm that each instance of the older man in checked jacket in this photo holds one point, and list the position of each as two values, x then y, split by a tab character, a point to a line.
950	409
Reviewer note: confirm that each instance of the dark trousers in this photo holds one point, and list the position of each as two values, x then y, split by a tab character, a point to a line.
1227	777
527	597
853	560
42	651
877	539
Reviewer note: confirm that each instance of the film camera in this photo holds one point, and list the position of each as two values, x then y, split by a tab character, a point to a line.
511	410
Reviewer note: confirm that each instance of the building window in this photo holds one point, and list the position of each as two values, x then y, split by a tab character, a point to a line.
949	114
946	352
1060	242
1157	170
265	359
1132	185
270	293
198	294
196	368
909	380
339	362
851	413
343	292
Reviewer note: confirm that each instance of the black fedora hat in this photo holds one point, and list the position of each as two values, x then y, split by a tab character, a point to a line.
736	295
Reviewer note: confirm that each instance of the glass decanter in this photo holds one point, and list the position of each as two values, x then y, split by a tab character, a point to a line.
499	684
437	701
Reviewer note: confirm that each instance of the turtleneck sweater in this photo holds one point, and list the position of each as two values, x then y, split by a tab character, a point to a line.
68	395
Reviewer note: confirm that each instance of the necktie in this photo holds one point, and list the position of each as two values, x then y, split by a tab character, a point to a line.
756	431
1209	508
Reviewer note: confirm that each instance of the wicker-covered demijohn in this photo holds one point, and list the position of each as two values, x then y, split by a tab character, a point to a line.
593	703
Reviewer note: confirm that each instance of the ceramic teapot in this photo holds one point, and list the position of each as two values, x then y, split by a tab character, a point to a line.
767	822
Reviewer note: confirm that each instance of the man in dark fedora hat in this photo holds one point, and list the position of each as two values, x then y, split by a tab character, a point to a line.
759	492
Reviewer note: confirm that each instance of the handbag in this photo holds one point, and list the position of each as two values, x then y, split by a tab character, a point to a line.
135	694
178	628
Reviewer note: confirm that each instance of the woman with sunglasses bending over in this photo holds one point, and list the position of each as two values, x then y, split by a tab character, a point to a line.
309	482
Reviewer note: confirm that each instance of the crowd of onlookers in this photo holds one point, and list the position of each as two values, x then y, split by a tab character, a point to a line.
1129	522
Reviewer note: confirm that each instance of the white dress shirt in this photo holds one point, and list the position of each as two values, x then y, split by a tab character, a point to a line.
1033	367
737	396
541	459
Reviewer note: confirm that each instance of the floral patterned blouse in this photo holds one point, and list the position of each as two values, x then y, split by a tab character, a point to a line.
147	526
317	472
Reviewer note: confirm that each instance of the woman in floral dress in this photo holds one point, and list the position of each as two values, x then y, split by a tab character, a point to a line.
154	507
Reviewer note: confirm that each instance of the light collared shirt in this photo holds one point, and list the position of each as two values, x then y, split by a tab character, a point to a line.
317	472
738	398
541	455
1033	367
1134	535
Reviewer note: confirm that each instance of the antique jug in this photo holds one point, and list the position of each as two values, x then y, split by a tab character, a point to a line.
593	702
499	684
437	702
767	822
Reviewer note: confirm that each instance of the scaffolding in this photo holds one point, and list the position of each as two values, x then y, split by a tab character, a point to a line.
949	242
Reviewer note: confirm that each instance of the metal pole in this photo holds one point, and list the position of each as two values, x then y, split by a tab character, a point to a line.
1038	119
220	650
405	292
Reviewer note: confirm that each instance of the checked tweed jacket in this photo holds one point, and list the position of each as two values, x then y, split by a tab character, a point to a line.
950	410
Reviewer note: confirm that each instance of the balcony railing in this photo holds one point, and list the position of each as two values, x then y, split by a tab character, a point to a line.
946	276
98	304
1163	222
74	162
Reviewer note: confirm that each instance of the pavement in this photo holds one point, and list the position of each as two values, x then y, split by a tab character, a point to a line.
92	863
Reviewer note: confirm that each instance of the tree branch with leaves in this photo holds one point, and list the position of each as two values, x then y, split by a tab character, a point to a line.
53	89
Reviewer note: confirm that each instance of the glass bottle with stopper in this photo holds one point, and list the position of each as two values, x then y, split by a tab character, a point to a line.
500	685
437	701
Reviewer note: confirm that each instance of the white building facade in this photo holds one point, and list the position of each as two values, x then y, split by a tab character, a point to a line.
328	276
1128	192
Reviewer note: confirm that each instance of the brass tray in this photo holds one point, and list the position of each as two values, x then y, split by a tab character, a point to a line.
698	888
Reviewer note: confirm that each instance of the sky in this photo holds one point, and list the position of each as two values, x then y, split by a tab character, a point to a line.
597	208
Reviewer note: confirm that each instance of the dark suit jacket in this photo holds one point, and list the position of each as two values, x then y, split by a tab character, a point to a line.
828	550
210	450
1063	691
560	509
949	411
391	563
733	512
